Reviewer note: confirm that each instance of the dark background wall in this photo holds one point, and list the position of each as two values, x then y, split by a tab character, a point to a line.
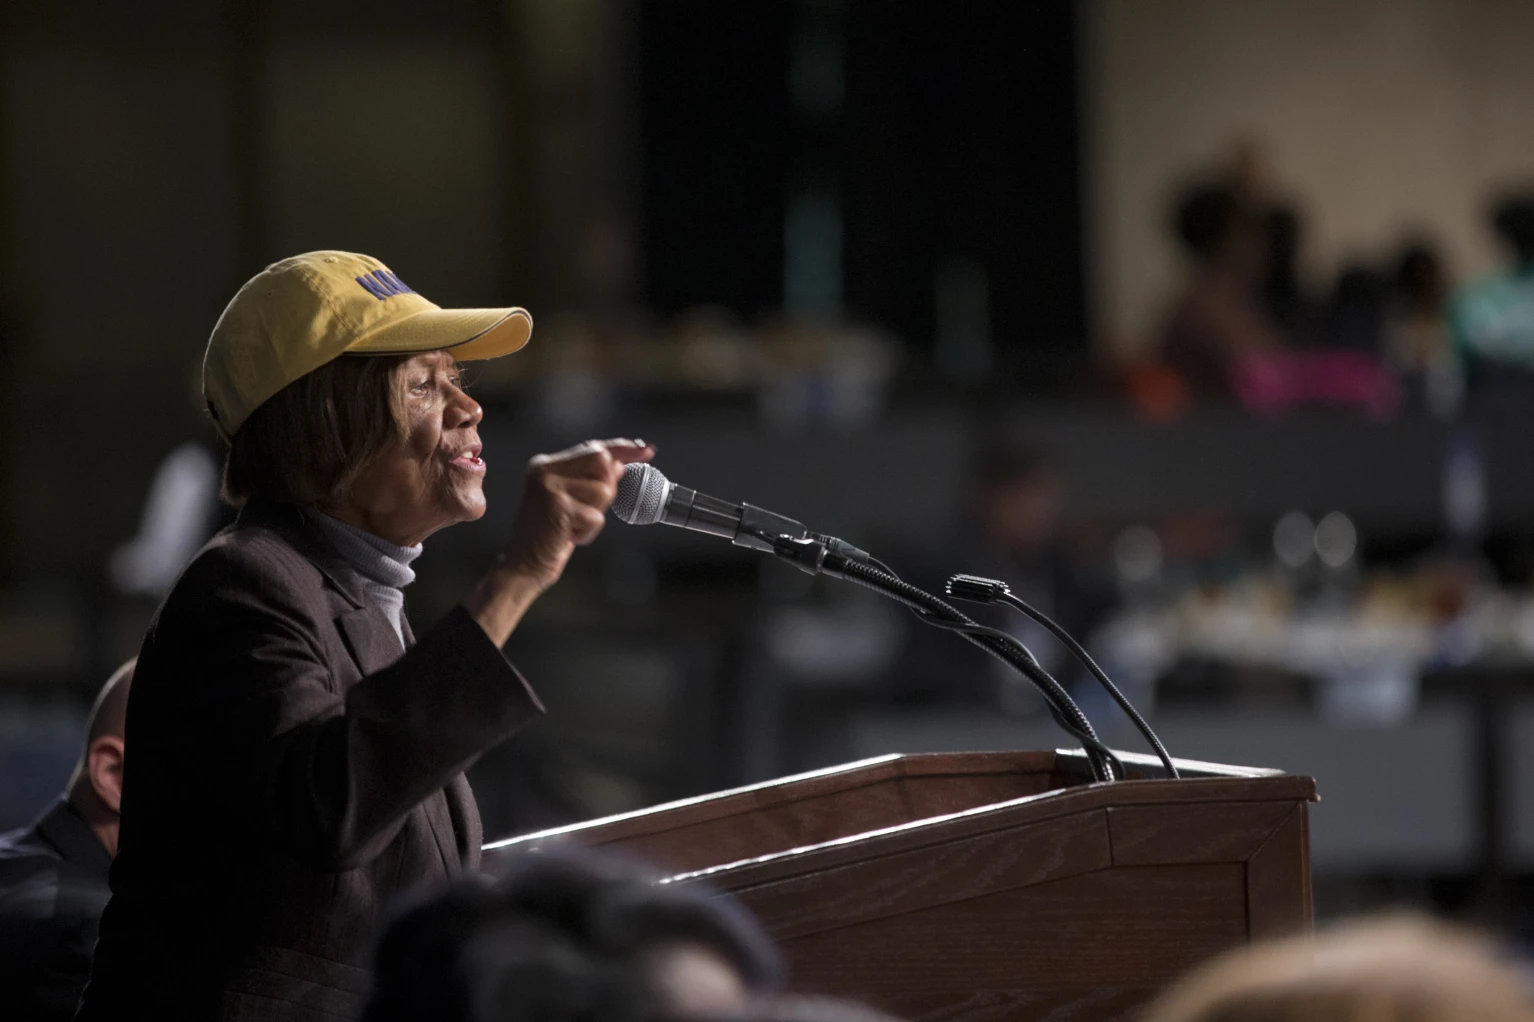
956	138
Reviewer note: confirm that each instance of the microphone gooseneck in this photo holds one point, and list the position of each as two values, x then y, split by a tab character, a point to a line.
646	497
989	590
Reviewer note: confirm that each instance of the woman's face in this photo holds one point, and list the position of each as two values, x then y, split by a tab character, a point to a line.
434	476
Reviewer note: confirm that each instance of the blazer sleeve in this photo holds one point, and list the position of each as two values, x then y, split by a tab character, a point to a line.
332	776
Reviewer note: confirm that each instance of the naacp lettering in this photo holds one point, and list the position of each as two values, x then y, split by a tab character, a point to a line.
383	284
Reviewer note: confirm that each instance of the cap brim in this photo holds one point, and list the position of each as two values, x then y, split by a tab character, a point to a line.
468	334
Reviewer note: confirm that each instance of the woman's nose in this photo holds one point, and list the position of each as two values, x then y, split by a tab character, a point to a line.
463	410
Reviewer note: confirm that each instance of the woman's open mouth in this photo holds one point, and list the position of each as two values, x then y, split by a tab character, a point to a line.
469	460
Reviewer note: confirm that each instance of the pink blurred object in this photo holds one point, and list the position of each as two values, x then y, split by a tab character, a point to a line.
1273	381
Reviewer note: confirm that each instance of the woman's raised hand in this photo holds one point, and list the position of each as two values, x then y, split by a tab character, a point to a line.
564	505
565	502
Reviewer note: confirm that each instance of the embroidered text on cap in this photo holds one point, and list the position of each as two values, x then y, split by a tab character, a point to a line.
383	284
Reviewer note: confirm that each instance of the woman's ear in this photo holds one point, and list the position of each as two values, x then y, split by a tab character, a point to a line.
104	763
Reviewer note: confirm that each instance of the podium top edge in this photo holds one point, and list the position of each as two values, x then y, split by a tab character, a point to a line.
1195	767
681	803
893	765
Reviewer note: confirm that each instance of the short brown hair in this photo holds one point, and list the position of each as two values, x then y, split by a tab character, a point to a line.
308	442
1405	969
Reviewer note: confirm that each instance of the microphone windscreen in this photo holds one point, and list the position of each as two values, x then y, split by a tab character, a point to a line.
641	494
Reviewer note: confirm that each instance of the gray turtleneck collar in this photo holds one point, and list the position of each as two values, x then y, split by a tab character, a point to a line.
384	567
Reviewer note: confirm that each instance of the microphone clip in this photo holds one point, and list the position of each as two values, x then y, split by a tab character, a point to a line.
815	554
977	589
804	552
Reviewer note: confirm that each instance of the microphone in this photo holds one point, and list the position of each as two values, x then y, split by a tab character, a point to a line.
646	497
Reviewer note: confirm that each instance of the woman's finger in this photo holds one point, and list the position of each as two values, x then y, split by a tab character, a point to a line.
597	493
629	455
594	459
585	524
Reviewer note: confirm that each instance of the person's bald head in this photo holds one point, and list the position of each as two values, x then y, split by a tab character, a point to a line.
95	790
109	714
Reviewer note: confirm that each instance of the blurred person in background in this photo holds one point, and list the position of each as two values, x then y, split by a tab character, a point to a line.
1284	300
53	874
1013	532
567	936
1220	317
1492	318
181	510
1355	314
1417	343
1391	970
299	756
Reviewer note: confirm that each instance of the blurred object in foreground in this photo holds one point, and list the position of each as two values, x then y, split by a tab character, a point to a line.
1392	970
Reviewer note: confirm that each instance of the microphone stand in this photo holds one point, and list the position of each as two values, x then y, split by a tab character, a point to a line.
989	590
829	556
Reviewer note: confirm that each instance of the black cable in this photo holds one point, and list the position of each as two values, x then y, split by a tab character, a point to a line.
927	617
995	642
816	553
1113	690
966	631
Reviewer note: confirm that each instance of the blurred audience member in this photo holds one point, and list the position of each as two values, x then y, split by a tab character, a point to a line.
1220	317
1416	328
1013	532
566	937
1398	970
1355	316
791	1008
53	874
1492	318
1283	297
1419	289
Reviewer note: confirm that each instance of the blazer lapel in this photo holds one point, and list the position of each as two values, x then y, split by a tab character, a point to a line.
450	814
369	638
463	811
367	633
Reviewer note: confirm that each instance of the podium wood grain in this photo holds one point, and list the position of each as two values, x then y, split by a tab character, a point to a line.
990	886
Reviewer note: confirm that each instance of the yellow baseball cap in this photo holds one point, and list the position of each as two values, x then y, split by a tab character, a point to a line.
300	313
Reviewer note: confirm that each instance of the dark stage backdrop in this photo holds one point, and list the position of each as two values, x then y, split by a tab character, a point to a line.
956	140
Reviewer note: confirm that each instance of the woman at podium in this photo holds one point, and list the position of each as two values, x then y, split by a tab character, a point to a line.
299	754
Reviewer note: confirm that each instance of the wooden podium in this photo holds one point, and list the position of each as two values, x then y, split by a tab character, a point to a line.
990	886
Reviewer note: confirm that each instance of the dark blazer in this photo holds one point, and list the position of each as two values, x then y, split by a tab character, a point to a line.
292	769
53	885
